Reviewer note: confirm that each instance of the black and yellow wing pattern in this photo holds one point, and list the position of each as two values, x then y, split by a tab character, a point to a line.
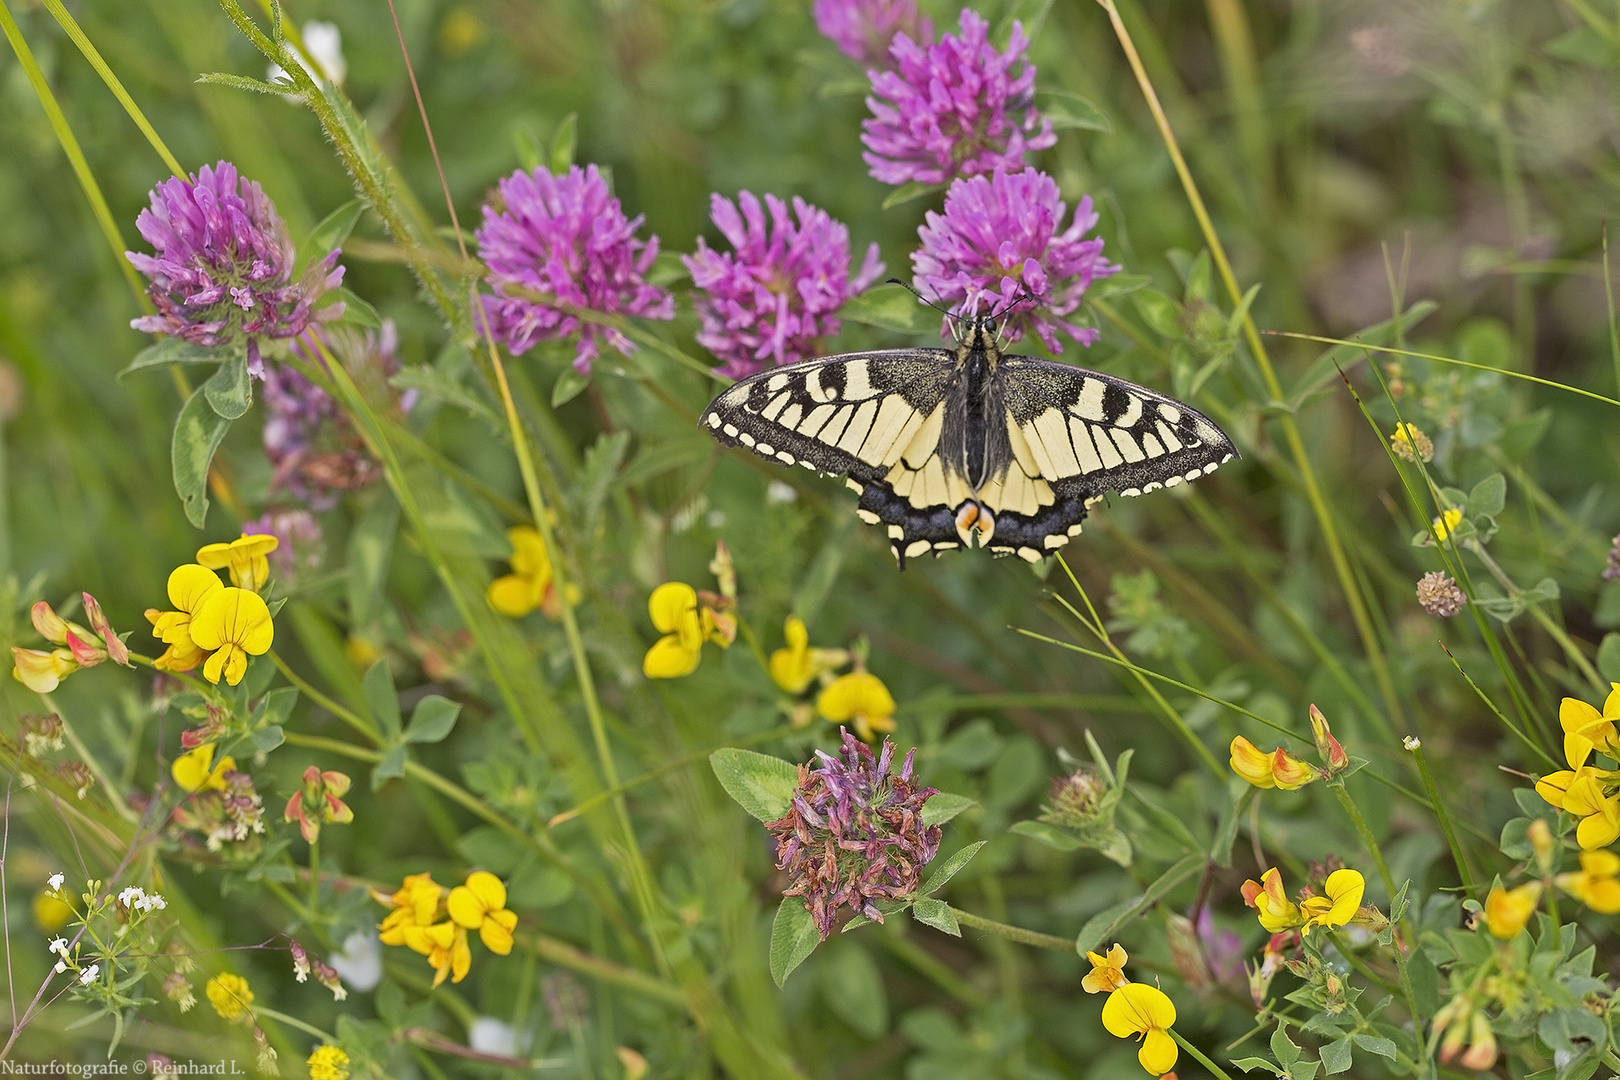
961	447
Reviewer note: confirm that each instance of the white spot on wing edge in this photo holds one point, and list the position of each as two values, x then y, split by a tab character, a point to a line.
714	420
917	547
1029	554
867	516
731	430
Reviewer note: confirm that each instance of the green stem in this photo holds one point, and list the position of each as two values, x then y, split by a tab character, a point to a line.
89	760
1470	879
1198	1056
1013	933
348	716
314	876
1356	962
293	1021
1365	833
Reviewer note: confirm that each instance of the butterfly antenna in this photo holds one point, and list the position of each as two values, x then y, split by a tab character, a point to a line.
947	312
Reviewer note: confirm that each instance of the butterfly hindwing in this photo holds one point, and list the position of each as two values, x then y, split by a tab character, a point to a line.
950	448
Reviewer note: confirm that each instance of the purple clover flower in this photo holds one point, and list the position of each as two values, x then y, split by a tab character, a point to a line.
224	262
953	109
853	834
298	552
312	446
863	29
563	240
998	246
777	293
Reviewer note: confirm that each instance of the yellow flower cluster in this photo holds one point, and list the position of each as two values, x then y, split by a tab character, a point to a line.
1278	769
530	583
328	1062
1585	791
214	625
231	998
1134	1010
419	903
686	624
857	698
1339	903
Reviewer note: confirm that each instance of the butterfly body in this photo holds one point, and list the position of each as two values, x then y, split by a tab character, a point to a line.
969	446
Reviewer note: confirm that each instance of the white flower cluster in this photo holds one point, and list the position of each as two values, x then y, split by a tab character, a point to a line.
59	946
135	898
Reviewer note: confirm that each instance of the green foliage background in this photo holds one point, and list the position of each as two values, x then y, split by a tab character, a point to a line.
1475	141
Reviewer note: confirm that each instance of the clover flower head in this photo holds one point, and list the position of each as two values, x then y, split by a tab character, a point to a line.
1075	800
853	834
958	108
863	29
777	292
1438	594
298	542
223	264
1410	444
1000	247
558	242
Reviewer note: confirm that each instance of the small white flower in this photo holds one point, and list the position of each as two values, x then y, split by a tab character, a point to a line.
88	975
778	492
488	1035
324	43
61	966
151	901
132	896
360	962
58	946
55	882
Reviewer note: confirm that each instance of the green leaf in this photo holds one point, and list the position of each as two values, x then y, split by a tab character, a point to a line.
761	784
1161	313
268	738
569	385
528	152
1070	110
1220	853
1488	497
329	235
853	988
1608	657
938	914
1515	842
1105	925
1118	285
563	143
432	719
793	938
950	868
891	307
173	351
198	431
906	192
383	700
1249	1064
257	86
1572	1031
1337	1055
390	767
356	311
433	383
371	549
942	807
1242	310
1373	1044
229	390
276	706
1284	1049
488	848
1045	833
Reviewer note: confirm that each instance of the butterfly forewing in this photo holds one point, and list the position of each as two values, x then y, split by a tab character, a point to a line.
949	448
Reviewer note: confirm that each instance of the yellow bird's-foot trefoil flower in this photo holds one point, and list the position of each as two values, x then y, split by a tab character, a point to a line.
860	699
1586	729
1278	769
1327	747
530	585
230	996
42	671
1107	971
1508	910
246	558
1596	884
447	952
232	624
415	904
1589	794
686	625
481	905
1446	523
190	586
1277	913
319	801
1340	902
1137	1010
795	667
197	771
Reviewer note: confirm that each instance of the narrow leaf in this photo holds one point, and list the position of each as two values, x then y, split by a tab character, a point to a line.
569	385
329	235
198	431
950	868
242	82
1050	835
793	938
1105	925
761	784
938	914
356	311
172	351
942	807
563	144
905	193
1069	110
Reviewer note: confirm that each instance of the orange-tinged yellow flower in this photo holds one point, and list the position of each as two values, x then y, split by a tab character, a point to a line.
1586	729
795	667
448	952
1596	884
1327	747
529	585
686	625
1107	972
197	770
190	586
230	996
1147	1013
858	698
40	671
245	558
481	905
1278	769
1339	903
1276	912
1446	522
1507	910
415	904
233	624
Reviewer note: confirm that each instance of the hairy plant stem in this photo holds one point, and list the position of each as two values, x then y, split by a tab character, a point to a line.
1198	1056
1367	841
1296	445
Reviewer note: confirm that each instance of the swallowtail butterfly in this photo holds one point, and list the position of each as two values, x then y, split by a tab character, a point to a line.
955	447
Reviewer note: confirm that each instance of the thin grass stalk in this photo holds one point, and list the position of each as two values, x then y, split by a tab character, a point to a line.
1313	492
1014	933
1470	877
